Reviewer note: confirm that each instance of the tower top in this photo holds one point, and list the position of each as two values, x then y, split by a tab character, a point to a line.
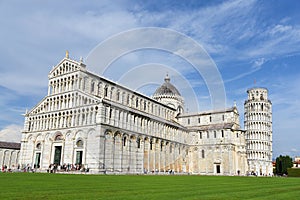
257	93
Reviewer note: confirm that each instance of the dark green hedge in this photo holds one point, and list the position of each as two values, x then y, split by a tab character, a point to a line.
294	172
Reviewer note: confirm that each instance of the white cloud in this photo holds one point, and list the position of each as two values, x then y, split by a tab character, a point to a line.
276	41
11	133
259	62
279	29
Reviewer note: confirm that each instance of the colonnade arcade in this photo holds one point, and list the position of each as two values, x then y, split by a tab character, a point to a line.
257	155
134	153
58	147
63	119
9	158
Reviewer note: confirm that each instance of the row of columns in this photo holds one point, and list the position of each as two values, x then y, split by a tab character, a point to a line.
258	106
258	125
132	101
136	154
135	123
259	155
9	158
258	135
66	101
73	118
259	145
64	84
258	116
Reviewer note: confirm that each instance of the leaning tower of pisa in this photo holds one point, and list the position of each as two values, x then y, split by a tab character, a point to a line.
258	126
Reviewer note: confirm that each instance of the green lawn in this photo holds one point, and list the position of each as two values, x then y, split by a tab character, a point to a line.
71	186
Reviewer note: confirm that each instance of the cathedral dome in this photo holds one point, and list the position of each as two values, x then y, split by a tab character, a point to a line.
169	95
166	89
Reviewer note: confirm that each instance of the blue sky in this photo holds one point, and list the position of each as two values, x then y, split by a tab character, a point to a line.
247	40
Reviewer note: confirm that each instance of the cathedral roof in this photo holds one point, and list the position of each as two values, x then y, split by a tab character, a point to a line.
217	126
167	89
10	145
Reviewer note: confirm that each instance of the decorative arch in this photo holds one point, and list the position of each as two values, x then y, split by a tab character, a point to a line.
30	137
125	139
39	136
79	142
80	133
69	135
58	136
133	137
38	146
118	134
139	141
147	139
91	131
108	132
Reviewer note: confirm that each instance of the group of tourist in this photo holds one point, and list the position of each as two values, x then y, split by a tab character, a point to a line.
53	168
13	168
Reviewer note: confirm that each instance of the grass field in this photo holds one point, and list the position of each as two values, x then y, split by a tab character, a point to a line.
71	186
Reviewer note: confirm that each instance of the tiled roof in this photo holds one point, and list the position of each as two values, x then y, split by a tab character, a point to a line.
209	112
10	145
215	126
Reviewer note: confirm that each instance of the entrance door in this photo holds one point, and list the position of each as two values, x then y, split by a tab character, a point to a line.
79	157
57	155
218	169
37	160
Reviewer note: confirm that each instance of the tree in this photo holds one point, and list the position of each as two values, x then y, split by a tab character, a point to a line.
282	164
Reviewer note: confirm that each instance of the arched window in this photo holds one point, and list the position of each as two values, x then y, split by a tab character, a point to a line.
92	87
99	89
118	95
261	97
110	112
38	146
106	91
124	141
138	141
137	103
203	153
58	137
128	99
79	143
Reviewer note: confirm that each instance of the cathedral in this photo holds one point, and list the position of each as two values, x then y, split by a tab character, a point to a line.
100	126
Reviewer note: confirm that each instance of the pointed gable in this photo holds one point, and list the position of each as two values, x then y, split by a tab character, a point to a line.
65	66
